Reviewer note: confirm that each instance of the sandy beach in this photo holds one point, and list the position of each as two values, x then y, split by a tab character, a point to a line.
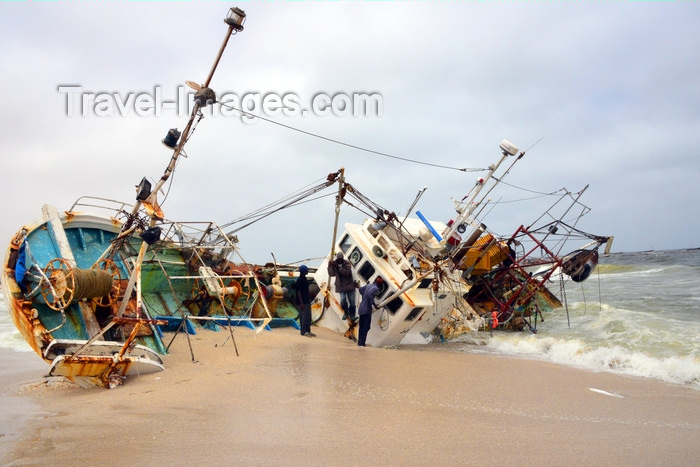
293	400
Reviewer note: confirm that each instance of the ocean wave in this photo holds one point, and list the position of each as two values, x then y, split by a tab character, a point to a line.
615	268
10	337
14	341
577	353
674	270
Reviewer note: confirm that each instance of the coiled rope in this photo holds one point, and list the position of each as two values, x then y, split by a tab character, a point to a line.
91	283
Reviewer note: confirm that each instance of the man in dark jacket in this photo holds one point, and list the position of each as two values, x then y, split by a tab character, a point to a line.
304	301
341	269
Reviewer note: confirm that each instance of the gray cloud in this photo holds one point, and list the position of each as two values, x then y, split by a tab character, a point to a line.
610	88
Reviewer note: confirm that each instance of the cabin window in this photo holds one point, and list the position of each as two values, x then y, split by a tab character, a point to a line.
394	305
383	289
355	257
413	314
345	243
425	283
366	271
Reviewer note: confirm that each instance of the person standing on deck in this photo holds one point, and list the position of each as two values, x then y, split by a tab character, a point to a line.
341	269
304	301
368	292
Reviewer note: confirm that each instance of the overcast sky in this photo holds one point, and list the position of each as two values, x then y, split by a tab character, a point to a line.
611	91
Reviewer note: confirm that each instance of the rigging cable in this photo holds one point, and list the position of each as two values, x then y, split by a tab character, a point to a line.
383	154
262	210
562	290
260	215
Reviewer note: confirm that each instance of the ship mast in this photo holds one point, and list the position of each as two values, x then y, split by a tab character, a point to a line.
147	197
507	149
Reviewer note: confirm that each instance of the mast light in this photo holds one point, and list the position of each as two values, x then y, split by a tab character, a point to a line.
235	18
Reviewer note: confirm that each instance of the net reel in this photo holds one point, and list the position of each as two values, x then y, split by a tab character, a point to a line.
109	266
65	284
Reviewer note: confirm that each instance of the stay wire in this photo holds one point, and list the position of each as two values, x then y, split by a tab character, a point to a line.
260	215
300	193
263	215
541	193
359	148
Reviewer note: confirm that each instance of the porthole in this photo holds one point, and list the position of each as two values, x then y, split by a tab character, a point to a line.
355	257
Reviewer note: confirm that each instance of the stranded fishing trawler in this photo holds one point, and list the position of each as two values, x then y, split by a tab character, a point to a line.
90	292
447	285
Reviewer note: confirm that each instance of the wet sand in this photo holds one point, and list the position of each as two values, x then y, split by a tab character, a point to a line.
17	369
293	400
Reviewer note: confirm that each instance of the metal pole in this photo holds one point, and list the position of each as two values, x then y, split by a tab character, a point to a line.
218	57
338	201
136	275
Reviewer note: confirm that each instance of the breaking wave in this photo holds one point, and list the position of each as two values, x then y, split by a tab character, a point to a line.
577	353
10	338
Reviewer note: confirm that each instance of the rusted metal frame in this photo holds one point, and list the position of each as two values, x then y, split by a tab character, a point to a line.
227	240
517	265
196	253
187	230
220	296
114	322
117	210
559	221
536	285
93	339
207	318
135	279
211	318
187	334
128	343
205	233
538	244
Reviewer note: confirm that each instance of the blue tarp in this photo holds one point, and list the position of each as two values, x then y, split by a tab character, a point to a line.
21	266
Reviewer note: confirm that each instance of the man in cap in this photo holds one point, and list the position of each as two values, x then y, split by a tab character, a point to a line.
341	269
